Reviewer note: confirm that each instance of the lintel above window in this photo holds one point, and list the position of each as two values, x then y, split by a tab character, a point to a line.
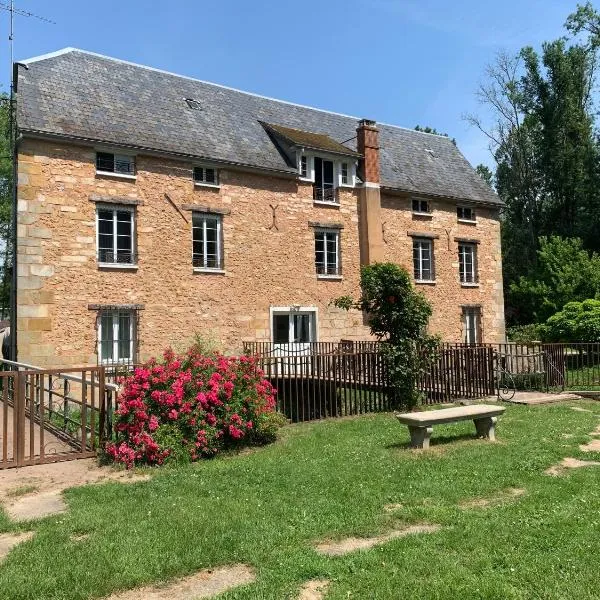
205	175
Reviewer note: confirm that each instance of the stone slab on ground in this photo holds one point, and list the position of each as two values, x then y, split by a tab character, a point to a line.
204	584
9	540
533	398
570	463
591	446
48	481
341	547
314	589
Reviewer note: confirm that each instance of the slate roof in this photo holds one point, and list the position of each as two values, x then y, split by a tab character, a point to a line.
82	95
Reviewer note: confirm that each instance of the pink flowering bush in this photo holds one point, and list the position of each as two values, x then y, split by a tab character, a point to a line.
191	406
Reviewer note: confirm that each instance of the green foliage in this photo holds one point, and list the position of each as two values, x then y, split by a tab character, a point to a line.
266	429
576	322
547	152
526	334
398	316
434	131
564	272
486	174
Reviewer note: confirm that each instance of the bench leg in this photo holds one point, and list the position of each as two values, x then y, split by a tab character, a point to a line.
419	436
486	428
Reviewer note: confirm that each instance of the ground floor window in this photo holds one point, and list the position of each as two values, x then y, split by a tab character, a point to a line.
471	317
116	336
291	326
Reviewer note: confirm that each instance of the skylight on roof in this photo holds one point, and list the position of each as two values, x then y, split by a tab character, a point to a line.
193	104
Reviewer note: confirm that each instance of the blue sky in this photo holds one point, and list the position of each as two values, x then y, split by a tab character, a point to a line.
404	62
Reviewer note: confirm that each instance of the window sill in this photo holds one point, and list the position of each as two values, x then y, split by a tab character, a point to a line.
426	215
213	186
306	179
469	285
330	277
208	270
117	266
425	281
324	203
117	175
467	221
347	185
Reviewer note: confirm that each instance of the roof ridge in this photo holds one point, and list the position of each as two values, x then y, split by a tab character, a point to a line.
218	85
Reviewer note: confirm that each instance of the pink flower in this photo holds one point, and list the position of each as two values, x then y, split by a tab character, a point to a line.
153	423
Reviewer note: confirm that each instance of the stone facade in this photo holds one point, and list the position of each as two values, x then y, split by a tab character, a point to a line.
268	256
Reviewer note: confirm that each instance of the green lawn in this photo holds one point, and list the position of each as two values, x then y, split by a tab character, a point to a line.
332	479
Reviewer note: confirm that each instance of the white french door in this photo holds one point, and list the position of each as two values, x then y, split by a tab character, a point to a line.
293	331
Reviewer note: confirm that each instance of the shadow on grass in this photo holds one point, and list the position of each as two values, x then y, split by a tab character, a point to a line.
441	440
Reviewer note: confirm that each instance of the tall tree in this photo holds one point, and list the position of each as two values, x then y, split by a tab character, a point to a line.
545	145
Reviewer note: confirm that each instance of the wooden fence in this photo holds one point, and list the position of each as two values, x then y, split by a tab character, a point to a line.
325	379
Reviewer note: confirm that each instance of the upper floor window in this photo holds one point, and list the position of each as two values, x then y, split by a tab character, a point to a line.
115	235
122	164
467	262
324	188
423	259
465	213
206	176
303	166
116	336
207	241
421	206
327	252
344	174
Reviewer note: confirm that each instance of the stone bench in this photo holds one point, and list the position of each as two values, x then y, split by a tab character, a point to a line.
420	424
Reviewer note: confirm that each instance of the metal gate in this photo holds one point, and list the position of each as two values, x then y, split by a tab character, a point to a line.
50	415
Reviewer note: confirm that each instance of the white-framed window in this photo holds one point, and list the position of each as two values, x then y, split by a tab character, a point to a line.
206	175
423	259
327	252
115	234
304	166
421	206
207	241
120	164
116	335
466	213
471	317
344	176
294	325
324	189
467	262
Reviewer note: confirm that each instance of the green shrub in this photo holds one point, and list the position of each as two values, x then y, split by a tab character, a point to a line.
266	429
576	322
527	334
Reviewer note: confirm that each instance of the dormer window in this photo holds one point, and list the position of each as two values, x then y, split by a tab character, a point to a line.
304	166
344	173
206	176
324	188
118	164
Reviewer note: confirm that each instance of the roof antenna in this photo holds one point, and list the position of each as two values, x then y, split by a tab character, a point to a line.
10	242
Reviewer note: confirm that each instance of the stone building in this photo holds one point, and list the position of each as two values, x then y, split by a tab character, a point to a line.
153	206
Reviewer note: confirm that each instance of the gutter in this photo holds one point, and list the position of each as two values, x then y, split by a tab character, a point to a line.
402	191
40	134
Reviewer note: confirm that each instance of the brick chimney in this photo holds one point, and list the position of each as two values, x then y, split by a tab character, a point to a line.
367	141
371	237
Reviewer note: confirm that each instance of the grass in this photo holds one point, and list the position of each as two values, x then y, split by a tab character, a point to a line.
332	479
22	490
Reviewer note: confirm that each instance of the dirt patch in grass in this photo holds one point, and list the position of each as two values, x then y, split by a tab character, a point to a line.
204	584
9	540
570	463
390	508
341	547
79	537
35	492
591	446
314	589
502	497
